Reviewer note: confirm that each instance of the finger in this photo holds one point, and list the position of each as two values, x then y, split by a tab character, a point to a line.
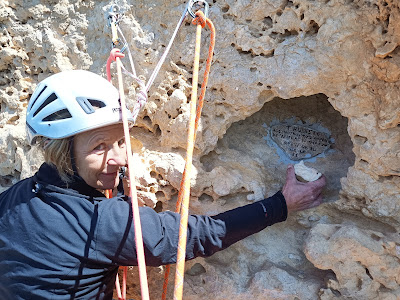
320	182
290	175
317	186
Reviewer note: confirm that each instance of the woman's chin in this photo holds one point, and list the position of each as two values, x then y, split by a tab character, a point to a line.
108	184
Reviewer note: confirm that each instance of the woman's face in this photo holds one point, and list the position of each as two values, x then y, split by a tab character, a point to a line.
99	154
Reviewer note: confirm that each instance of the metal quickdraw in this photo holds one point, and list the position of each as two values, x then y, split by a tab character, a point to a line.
114	17
190	5
113	20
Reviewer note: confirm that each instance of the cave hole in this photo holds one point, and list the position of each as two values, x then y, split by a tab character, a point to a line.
360	140
268	21
225	8
313	27
156	175
6	181
250	140
159	206
157	130
147	120
205	198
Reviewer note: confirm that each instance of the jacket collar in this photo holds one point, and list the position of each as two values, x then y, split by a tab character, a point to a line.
48	176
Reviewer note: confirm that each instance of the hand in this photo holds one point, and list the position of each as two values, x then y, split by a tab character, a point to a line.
299	195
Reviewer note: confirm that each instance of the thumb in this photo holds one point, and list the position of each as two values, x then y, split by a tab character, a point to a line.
290	175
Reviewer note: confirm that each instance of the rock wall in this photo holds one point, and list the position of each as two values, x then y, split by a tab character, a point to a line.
335	63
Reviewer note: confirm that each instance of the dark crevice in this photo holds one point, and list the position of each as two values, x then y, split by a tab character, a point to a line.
313	27
157	131
6	181
368	273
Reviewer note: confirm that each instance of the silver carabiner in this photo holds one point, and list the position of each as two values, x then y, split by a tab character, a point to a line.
113	14
190	6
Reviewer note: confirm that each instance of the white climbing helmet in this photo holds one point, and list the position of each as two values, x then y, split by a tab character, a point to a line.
71	102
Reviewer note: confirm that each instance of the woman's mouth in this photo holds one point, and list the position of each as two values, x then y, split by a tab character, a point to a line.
109	175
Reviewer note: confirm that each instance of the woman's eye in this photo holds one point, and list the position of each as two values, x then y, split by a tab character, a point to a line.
121	142
99	147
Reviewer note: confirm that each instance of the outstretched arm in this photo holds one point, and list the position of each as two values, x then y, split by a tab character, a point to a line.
206	235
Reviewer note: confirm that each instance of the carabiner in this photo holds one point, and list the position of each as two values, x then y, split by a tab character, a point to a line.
113	15
113	19
192	2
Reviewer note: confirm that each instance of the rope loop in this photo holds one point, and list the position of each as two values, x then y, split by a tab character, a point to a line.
200	19
114	53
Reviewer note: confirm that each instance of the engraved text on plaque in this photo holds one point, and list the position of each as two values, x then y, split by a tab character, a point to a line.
298	141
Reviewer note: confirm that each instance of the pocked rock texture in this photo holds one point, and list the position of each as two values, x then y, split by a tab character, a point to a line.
331	63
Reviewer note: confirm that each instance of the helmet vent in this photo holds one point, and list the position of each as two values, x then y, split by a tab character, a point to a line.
49	99
59	115
89	105
30	127
33	103
96	103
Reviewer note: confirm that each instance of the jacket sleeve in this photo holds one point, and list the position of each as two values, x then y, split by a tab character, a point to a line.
115	243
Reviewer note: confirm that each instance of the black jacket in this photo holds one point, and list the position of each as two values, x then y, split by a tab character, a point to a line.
59	242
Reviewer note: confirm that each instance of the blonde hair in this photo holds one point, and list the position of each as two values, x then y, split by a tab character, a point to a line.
57	152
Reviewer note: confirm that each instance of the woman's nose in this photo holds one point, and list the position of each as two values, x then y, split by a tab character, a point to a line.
117	155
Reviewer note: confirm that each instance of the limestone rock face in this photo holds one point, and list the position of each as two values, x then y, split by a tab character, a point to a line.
330	65
366	262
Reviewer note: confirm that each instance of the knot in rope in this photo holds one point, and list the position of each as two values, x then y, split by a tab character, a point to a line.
141	95
114	53
141	99
200	19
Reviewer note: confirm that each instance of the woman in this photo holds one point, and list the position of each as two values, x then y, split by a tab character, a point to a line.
60	238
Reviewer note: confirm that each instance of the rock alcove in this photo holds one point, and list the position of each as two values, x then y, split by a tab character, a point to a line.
249	141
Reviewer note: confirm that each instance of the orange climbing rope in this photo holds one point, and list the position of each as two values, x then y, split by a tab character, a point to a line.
183	198
115	52
133	195
184	192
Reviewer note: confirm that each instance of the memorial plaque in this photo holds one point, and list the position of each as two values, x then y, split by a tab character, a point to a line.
299	142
